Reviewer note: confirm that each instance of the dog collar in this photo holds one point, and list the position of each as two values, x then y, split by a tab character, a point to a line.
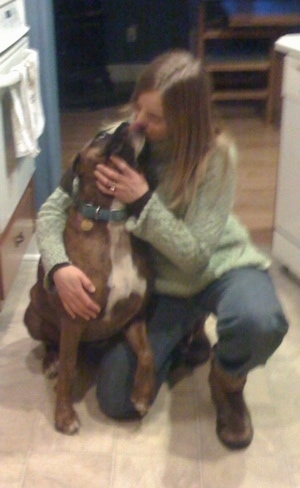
92	212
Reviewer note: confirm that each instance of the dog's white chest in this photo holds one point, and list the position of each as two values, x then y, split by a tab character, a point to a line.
124	278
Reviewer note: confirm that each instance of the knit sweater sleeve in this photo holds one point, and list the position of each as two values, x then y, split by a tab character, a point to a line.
50	226
189	242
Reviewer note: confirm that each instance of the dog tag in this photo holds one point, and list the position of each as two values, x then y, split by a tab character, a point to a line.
87	225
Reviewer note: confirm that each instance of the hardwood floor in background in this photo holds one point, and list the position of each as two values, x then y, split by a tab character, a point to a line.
258	146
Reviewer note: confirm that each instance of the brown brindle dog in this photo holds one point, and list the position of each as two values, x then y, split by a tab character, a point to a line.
97	242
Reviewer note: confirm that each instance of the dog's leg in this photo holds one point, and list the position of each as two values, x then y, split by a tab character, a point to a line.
51	360
66	419
144	382
41	330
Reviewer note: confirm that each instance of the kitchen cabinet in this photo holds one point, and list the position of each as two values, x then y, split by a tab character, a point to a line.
14	240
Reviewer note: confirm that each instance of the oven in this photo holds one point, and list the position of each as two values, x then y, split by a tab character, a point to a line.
16	187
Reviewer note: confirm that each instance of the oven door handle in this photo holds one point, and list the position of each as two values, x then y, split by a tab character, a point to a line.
10	79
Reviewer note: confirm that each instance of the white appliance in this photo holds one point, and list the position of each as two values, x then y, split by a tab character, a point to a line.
286	236
15	172
19	122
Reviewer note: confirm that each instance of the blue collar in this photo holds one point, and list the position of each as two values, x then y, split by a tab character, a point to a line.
92	212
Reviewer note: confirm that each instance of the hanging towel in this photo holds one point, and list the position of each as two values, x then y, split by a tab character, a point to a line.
26	109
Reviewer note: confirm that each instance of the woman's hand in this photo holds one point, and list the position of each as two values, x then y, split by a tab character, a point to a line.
124	182
72	286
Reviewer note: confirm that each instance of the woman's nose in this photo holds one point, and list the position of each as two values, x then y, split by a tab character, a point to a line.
140	119
137	126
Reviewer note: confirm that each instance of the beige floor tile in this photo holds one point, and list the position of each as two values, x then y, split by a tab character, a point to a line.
169	426
19	360
17	332
257	389
16	426
284	378
291	435
295	469
243	471
61	469
12	466
284	383
175	445
156	471
97	433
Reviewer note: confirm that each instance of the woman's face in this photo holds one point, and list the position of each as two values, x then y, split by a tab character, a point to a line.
149	117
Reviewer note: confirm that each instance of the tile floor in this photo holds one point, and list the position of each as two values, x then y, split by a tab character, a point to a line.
175	446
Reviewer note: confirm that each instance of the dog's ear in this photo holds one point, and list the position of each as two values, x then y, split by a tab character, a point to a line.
66	181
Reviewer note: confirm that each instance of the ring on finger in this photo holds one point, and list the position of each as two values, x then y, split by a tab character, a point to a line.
113	187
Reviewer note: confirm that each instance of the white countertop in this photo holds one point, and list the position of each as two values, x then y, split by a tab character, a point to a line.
289	44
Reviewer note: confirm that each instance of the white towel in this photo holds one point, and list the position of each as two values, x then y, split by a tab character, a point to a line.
27	110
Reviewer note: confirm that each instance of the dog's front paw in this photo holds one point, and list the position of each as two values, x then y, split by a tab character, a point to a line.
67	421
141	406
142	395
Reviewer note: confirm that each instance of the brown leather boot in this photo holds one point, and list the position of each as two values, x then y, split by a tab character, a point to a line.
234	427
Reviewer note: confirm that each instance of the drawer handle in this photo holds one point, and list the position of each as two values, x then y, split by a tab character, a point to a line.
19	239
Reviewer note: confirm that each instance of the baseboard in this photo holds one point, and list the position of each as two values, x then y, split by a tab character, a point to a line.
32	252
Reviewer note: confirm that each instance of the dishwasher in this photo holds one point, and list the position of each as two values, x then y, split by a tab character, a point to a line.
286	235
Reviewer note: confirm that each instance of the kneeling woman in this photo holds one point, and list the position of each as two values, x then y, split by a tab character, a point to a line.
203	257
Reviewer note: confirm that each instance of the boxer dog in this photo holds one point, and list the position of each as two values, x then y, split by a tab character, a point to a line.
97	242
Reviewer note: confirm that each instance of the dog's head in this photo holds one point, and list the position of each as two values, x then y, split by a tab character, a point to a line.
123	143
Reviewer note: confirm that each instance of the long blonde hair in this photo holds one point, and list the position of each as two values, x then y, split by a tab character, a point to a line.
185	93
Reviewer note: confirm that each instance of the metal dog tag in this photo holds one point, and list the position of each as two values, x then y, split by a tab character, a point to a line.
87	225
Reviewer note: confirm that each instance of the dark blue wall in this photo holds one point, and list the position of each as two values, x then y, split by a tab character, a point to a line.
48	163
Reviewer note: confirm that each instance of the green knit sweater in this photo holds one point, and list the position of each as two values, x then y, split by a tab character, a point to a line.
189	251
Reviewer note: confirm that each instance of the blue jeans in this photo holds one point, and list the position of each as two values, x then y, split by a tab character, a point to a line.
250	326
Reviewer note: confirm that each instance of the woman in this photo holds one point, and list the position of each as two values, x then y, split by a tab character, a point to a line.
204	261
